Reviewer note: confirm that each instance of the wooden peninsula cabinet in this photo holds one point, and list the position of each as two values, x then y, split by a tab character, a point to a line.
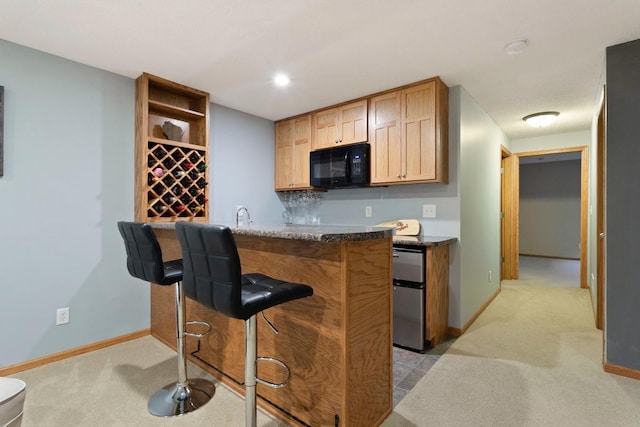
337	343
293	144
408	133
342	125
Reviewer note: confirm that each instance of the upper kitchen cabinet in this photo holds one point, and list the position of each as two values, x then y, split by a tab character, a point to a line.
408	133
345	124
171	151
293	144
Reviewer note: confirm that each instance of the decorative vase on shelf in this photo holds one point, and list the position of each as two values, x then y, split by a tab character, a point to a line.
172	131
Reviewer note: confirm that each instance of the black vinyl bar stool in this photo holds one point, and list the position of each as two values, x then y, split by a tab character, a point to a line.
212	276
144	261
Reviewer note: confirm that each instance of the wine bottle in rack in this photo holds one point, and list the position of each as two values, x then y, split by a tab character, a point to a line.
201	183
177	155
152	179
194	207
193	174
195	157
202	167
178	207
169	199
187	164
178	173
201	199
177	189
169	163
159	207
159	152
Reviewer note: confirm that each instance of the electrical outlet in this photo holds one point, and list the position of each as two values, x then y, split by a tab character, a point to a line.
62	316
428	211
368	211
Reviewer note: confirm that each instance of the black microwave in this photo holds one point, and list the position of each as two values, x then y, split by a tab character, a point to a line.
340	167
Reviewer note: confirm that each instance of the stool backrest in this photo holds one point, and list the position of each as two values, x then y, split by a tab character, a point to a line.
212	273
144	256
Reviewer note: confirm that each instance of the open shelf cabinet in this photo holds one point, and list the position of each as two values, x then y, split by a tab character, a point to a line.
172	151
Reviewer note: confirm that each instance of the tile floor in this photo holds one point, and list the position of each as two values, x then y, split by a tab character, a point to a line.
410	366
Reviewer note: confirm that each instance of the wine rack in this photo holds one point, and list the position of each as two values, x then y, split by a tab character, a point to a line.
172	141
177	180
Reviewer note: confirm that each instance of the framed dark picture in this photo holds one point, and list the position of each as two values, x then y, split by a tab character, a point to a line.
1	130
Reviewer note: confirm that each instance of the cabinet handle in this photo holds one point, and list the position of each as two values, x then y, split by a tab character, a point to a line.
398	176
404	175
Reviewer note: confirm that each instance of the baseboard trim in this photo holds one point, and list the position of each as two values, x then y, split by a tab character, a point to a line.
55	357
480	310
550	257
454	332
457	332
622	371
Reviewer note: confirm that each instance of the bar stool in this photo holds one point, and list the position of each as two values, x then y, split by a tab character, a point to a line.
144	261
212	276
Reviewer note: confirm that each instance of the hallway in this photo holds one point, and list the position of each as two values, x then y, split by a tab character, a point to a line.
550	271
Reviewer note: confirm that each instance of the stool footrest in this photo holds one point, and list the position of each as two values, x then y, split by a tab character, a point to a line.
198	322
277	362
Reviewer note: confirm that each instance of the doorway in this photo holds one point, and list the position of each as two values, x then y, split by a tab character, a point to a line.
510	246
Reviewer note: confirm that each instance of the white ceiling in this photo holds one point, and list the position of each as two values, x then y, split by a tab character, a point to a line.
336	50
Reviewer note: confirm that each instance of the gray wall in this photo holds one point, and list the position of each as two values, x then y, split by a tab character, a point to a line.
69	135
68	178
550	209
242	166
480	157
622	311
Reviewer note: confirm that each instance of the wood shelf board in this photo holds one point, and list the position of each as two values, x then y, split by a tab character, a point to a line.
173	111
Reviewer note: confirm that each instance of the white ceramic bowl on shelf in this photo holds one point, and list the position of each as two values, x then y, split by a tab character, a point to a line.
12	394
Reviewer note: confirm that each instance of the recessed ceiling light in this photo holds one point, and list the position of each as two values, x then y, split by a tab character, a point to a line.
539	120
281	80
516	47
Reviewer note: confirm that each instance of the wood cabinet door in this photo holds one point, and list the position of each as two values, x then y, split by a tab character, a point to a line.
301	148
418	132
284	155
385	138
353	123
325	128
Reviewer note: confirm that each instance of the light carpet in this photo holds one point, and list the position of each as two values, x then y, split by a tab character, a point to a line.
111	387
532	358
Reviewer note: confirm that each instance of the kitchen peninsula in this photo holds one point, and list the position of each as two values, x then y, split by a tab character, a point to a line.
337	343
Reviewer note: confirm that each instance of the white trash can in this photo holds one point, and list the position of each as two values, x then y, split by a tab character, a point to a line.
12	394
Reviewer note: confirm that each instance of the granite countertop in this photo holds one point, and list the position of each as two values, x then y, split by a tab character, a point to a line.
314	233
423	240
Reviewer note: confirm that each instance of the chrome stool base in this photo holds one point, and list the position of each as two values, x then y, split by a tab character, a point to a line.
179	399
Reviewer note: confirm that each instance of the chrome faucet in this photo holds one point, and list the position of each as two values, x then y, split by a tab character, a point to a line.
240	209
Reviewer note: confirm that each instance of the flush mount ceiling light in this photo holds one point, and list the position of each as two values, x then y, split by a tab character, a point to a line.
539	120
281	80
516	47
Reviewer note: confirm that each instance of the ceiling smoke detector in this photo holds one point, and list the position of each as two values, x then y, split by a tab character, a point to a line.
516	47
